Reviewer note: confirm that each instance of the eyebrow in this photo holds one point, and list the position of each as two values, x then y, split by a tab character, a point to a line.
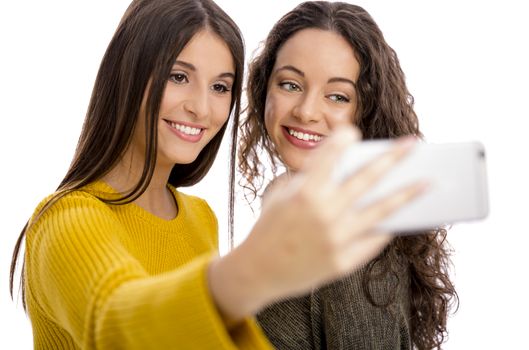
302	74
292	69
341	80
194	69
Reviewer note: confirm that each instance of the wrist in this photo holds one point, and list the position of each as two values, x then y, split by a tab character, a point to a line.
234	285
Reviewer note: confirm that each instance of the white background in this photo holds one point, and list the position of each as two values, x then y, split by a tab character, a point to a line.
466	63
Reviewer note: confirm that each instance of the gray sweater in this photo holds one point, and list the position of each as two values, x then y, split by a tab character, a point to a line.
339	316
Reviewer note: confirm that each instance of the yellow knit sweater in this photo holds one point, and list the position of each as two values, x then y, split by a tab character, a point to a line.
104	276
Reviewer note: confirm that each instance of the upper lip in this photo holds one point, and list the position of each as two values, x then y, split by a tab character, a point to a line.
191	125
305	131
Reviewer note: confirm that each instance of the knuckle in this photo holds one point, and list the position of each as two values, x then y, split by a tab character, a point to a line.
327	249
339	265
360	185
368	176
329	246
305	197
372	215
326	217
379	214
385	208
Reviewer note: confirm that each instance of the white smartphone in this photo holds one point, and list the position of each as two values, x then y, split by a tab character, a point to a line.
455	172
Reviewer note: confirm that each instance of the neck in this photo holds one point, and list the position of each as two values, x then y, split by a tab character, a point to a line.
157	198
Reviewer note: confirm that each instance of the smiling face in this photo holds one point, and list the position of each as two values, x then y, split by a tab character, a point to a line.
196	101
311	91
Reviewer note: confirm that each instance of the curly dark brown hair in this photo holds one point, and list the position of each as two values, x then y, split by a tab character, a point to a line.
385	110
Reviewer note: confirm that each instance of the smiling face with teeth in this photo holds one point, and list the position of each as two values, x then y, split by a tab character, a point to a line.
311	91
196	101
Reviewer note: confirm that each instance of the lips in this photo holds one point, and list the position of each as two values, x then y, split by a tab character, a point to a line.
301	138
188	130
305	136
191	133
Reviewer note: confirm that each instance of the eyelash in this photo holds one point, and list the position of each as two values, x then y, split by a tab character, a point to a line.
293	87
225	88
181	78
179	75
339	98
284	84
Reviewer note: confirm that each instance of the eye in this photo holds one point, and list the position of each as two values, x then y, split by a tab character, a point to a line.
179	78
339	98
289	86
220	88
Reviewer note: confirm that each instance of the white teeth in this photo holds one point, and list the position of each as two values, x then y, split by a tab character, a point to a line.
304	136
185	129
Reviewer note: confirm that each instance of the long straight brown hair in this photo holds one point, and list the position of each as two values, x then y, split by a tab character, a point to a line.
148	39
385	110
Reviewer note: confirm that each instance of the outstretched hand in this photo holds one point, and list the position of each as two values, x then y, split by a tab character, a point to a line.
310	231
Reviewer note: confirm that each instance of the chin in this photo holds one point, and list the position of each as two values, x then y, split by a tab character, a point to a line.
185	161
293	164
178	159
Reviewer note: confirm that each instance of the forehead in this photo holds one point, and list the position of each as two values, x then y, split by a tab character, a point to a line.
316	50
208	50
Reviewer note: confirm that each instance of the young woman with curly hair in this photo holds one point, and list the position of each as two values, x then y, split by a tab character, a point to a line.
323	66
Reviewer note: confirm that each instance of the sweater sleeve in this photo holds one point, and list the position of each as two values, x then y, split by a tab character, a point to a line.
83	279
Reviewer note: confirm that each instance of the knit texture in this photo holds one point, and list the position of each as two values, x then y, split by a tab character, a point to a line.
104	276
340	317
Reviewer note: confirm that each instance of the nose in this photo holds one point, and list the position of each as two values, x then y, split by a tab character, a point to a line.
197	102
308	110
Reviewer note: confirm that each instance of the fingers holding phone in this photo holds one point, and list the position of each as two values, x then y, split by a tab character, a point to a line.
309	225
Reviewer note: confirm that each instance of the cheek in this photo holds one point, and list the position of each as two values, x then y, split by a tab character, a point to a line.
341	118
221	113
276	110
269	113
170	99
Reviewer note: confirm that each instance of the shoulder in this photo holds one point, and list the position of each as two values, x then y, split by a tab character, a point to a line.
191	200
193	205
198	216
62	200
70	211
